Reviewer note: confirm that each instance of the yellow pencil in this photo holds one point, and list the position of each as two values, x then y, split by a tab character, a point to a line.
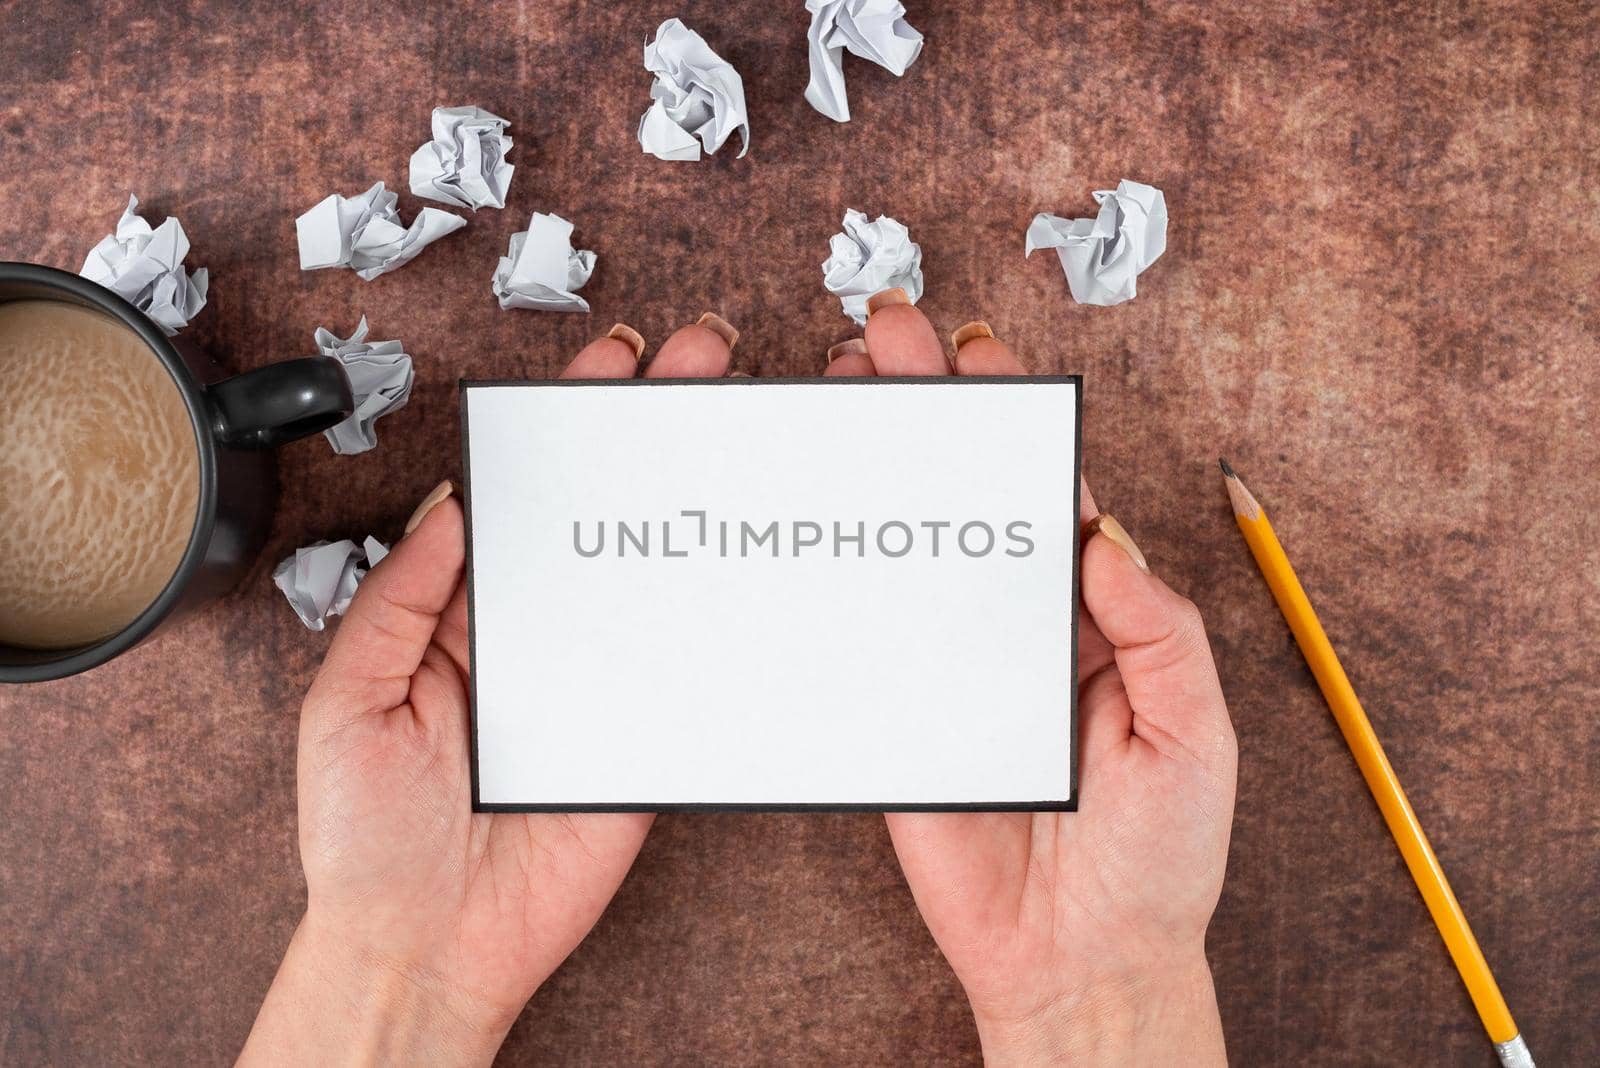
1381	780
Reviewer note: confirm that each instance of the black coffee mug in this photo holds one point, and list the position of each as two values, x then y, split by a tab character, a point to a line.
237	421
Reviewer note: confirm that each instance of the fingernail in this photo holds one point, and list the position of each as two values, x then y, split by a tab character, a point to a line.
887	298
739	374
429	503
720	327
854	346
628	336
963	334
1106	524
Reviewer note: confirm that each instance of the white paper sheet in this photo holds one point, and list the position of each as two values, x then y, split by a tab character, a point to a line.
364	233
380	381
869	257
465	163
875	30
541	270
1104	256
144	266
698	97
375	550
320	580
931	667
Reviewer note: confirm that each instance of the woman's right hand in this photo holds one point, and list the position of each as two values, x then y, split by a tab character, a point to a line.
1080	937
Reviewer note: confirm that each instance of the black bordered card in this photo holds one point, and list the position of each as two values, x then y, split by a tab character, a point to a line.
771	594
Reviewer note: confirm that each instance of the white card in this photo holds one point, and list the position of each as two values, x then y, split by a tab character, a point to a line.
839	593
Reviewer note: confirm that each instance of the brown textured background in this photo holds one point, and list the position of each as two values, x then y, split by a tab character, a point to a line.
1379	300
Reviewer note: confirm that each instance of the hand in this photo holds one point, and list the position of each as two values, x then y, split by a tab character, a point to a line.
1080	937
427	928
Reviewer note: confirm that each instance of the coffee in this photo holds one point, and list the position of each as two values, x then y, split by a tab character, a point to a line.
99	475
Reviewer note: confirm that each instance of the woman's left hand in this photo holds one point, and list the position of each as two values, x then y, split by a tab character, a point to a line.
428	927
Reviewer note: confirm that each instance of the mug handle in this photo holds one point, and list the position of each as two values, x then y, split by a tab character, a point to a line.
280	403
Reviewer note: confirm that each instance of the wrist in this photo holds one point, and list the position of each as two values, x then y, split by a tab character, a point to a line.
334	1001
1163	1015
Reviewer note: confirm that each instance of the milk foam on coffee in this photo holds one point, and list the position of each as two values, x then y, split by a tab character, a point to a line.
99	475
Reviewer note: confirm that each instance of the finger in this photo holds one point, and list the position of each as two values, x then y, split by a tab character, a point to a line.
1104	712
614	356
392	619
1162	654
439	685
979	352
849	359
451	634
900	338
703	350
1107	719
1094	652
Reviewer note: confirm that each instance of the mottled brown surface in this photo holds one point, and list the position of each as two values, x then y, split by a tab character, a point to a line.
1378	300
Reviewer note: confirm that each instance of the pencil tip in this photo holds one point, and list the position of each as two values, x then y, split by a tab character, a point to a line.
1243	502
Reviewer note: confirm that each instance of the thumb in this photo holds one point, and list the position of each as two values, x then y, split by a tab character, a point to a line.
393	617
1160	644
